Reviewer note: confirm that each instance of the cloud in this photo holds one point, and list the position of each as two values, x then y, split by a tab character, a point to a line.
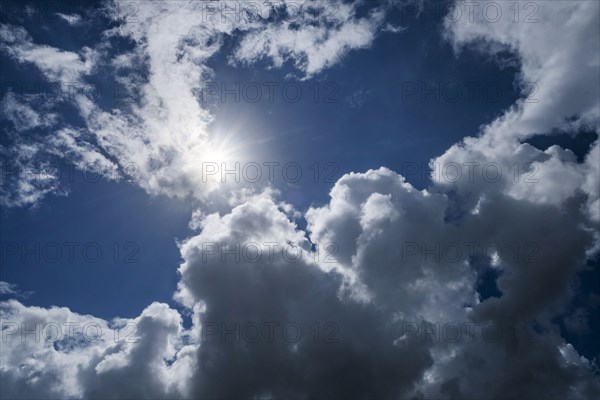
247	311
163	134
547	58
10	289
55	353
23	116
311	42
71	19
57	65
563	101
274	290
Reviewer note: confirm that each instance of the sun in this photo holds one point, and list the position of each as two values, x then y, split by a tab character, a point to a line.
224	147
218	153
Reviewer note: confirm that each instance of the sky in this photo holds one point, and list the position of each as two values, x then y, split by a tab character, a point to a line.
340	199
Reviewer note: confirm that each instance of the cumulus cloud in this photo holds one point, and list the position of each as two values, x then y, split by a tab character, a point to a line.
562	101
443	289
560	98
255	311
287	293
56	353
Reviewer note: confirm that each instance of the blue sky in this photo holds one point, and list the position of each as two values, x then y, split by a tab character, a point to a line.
378	86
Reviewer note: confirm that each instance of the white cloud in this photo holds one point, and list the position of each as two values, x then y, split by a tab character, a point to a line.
10	289
55	353
71	19
312	43
23	116
165	133
58	65
564	66
548	58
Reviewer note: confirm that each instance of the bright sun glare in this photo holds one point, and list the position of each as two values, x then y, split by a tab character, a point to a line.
224	148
